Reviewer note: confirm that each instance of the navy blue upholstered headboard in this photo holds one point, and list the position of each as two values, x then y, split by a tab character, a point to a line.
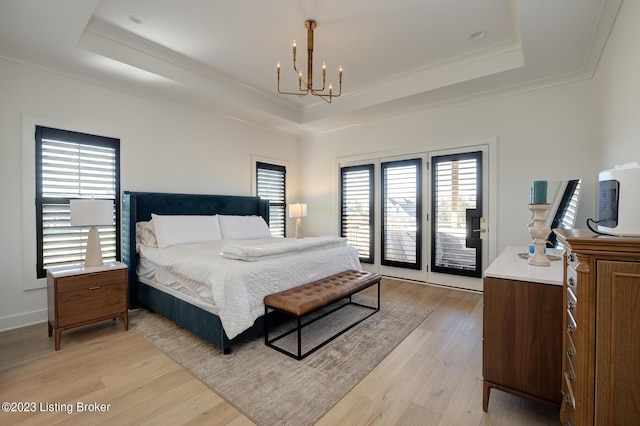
138	206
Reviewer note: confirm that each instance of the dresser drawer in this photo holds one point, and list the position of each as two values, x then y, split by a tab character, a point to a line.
570	417
572	280
568	408
86	281
569	372
572	329
572	260
86	304
570	351
572	302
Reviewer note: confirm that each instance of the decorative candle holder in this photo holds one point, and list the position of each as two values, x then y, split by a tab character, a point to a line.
539	233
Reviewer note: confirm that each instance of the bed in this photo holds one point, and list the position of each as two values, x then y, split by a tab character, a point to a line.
245	277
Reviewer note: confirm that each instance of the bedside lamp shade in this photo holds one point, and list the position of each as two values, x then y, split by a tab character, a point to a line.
86	212
298	211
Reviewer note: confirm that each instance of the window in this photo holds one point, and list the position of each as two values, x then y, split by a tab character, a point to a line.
270	185
402	213
356	209
72	165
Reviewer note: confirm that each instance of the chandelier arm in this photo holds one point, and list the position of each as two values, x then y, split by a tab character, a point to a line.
322	96
301	92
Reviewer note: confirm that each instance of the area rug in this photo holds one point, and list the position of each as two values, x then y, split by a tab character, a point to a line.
272	388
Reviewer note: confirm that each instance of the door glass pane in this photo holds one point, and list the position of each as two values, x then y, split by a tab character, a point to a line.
456	197
356	209
401	221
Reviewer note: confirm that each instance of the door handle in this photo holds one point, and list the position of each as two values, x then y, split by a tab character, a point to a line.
480	230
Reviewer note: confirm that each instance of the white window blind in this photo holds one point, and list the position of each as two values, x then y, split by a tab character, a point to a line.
356	209
402	206
271	184
68	168
568	219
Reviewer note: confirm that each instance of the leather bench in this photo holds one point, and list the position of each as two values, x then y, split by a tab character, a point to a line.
308	298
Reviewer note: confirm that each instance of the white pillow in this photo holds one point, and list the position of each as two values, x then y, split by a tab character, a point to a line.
145	234
185	229
243	227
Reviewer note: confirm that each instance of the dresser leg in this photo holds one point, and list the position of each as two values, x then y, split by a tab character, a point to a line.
125	319
50	329
58	332
486	390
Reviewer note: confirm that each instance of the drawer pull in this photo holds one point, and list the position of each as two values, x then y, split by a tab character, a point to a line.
571	329
571	352
94	287
572	282
572	258
570	375
571	305
566	397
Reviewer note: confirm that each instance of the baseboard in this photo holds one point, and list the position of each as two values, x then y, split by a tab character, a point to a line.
22	320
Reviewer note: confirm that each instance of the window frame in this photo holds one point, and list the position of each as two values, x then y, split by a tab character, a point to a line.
43	132
278	168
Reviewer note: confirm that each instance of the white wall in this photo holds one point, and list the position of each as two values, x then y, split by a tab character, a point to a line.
546	134
617	87
164	148
562	132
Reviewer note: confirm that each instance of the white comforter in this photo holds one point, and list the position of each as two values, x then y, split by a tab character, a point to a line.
237	288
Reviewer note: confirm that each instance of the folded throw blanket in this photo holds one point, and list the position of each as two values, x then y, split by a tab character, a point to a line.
278	247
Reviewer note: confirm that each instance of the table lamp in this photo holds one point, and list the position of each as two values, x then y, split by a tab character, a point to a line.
298	211
90	212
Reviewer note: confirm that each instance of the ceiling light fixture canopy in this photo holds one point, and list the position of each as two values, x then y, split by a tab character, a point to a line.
306	87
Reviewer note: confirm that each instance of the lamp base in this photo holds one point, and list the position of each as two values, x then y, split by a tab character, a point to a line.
299	228
93	255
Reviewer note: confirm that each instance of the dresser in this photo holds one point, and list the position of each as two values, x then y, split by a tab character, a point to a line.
601	339
78	296
522	336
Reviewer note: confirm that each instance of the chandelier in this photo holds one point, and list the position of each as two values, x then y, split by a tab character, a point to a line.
306	87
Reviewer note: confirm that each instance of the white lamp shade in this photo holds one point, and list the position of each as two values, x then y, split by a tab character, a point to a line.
85	212
297	210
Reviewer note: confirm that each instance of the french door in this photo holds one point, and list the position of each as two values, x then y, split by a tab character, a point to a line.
401	236
419	217
457	219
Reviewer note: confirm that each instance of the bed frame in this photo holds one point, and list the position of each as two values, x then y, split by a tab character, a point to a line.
138	206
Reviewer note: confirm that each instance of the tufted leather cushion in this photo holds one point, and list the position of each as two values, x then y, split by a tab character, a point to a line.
317	294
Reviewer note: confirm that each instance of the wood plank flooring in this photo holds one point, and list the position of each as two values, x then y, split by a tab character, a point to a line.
434	377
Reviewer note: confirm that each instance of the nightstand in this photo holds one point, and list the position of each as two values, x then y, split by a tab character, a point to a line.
78	295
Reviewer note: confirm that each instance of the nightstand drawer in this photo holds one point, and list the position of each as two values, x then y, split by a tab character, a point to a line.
86	281
86	304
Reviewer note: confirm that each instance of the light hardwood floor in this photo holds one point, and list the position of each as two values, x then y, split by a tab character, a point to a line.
434	377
